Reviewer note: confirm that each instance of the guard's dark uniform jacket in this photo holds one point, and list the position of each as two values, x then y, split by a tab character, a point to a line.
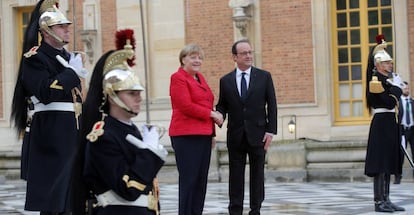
50	140
112	163
383	150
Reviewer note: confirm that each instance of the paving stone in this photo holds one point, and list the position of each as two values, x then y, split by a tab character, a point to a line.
282	198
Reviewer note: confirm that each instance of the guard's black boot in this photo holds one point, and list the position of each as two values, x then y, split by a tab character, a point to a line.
387	194
383	207
380	204
395	207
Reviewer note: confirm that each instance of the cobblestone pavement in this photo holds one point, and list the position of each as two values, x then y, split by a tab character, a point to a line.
281	198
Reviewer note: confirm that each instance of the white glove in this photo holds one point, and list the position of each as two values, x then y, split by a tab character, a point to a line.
150	141
396	81
75	63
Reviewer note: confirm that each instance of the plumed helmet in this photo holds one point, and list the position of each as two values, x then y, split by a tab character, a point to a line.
118	75
380	53
382	56
50	16
118	80
112	73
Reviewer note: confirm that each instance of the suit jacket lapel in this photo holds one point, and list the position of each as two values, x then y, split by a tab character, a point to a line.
234	83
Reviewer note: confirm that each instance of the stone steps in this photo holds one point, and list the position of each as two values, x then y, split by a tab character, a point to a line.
10	164
297	161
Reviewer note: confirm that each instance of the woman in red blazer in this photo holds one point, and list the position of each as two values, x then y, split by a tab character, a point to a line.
192	129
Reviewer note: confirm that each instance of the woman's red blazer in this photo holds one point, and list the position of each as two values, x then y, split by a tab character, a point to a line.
192	102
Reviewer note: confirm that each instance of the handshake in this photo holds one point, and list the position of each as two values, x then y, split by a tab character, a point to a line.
75	63
217	117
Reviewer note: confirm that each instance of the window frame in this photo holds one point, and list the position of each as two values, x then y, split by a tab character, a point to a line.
365	38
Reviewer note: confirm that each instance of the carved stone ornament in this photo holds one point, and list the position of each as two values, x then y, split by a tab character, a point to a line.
88	38
240	17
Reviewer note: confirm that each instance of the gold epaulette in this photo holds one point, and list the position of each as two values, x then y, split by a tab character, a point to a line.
375	86
31	52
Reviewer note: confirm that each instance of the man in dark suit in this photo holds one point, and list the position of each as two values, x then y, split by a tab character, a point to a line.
247	95
405	117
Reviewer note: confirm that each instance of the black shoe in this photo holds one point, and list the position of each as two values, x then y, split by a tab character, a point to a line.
395	207
383	207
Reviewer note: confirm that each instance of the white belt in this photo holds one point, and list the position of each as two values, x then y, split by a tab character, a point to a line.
54	106
111	198
384	110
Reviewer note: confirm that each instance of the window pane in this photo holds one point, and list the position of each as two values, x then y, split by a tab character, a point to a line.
355	54
356	73
343	73
372	3
341	20
386	16
357	109
385	2
354	4
342	38
343	55
389	50
373	32
340	4
387	31
355	37
373	17
344	92
26	18
354	18
357	91
344	109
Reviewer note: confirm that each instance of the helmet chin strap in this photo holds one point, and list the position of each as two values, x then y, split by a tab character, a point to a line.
120	103
130	111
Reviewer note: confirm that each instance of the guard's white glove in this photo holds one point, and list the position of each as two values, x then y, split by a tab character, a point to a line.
75	63
149	141
396	81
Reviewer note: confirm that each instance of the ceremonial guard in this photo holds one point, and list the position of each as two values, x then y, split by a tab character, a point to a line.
383	156
46	108
121	164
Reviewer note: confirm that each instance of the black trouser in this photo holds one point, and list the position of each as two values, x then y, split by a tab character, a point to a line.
237	163
192	154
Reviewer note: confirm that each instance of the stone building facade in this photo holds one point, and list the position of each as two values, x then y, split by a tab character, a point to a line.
297	41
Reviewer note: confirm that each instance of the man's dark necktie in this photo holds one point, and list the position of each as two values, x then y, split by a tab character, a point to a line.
243	86
407	112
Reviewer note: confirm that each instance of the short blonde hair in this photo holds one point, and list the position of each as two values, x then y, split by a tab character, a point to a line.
189	50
